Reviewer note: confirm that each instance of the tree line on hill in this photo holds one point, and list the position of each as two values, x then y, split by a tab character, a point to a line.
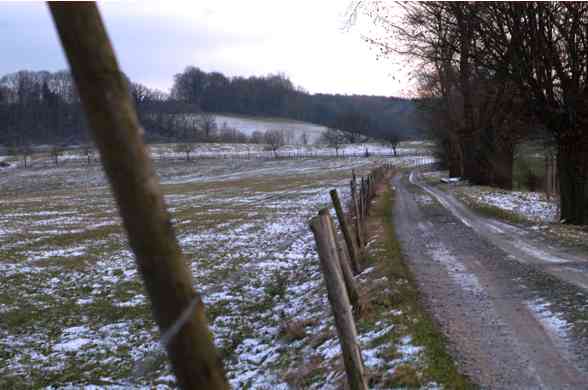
41	107
494	74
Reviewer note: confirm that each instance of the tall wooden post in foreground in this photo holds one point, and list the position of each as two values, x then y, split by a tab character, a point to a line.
323	231
119	137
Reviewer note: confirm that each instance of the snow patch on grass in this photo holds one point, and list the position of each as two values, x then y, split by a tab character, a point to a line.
531	205
73	305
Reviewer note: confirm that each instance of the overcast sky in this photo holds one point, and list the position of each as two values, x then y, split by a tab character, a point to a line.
155	40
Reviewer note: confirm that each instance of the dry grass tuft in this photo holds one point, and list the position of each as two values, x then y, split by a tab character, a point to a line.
295	329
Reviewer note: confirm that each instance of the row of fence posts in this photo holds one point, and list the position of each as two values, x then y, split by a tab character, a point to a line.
87	159
276	156
339	264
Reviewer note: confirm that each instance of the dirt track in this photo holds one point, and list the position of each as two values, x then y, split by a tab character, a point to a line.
514	311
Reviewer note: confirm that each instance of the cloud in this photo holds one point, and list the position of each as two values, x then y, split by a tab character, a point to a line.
155	40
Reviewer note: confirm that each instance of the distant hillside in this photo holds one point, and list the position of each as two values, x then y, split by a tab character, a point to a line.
274	95
250	124
44	108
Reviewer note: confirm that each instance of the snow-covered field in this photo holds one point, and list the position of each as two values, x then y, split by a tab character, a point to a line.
516	206
248	125
230	151
533	206
73	312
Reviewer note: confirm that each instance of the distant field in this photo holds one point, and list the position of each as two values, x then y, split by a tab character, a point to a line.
72	307
226	150
248	125
530	157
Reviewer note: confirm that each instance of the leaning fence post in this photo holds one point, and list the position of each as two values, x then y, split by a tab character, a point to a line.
364	209
327	250
357	220
362	197
351	248
178	309
344	263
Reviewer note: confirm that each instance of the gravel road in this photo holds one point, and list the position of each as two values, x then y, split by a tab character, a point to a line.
513	318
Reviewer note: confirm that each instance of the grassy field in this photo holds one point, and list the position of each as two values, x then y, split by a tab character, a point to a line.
529	159
210	150
72	308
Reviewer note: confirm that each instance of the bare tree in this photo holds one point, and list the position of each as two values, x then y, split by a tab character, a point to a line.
257	137
275	140
304	138
207	124
185	147
543	48
334	138
56	151
88	151
24	151
354	125
477	110
231	135
393	138
289	136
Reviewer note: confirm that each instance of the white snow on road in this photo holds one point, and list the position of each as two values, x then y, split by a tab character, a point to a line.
552	322
455	268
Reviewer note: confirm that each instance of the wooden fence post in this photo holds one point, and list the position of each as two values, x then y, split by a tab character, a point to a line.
356	212
327	250
351	248
363	202
344	263
359	201
115	127
362	198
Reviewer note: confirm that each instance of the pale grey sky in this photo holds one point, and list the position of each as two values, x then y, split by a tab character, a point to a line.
156	39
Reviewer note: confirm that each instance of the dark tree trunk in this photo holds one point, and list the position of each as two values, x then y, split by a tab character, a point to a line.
453	168
494	160
454	158
502	167
573	169
468	152
467	133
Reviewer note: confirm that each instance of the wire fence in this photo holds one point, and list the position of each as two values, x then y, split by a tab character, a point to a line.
45	160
